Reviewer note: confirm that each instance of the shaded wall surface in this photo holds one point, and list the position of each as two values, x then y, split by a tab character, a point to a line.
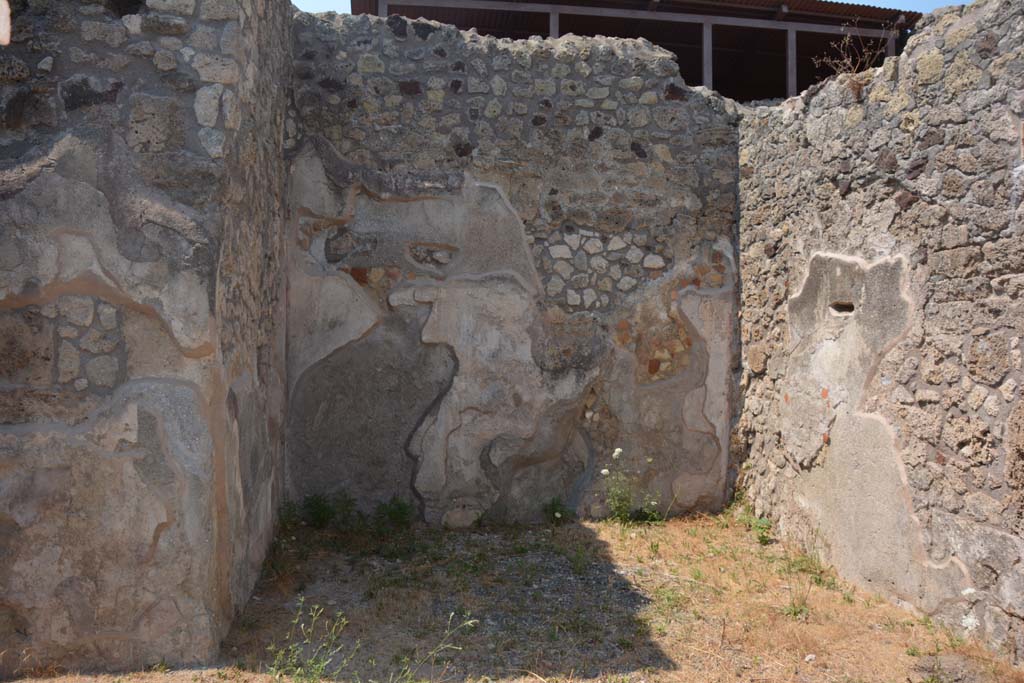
142	374
881	263
508	259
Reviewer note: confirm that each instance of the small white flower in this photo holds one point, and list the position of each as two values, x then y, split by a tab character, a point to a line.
616	453
650	460
558	515
969	622
605	472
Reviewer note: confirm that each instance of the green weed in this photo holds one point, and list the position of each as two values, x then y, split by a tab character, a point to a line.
317	511
312	649
555	512
620	498
799	607
394	514
622	506
762	527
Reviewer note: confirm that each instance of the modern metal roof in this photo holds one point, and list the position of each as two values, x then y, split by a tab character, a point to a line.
825	8
811	11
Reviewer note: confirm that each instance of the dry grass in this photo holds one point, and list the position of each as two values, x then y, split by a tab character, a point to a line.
693	600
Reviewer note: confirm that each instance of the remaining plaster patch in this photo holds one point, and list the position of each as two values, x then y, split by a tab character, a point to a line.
846	316
843	318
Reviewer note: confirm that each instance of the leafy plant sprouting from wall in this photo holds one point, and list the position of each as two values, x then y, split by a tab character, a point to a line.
854	53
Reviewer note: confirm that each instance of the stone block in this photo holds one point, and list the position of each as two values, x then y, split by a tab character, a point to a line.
112	34
82	91
218	10
68	362
165	24
155	124
216	69
212	141
102	371
27	355
183	7
207	104
78	310
12	69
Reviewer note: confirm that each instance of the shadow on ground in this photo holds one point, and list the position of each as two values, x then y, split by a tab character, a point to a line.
546	601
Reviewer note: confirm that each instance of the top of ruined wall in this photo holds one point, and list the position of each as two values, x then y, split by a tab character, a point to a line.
595	141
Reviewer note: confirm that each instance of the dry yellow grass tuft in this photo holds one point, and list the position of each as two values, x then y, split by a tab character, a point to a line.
694	600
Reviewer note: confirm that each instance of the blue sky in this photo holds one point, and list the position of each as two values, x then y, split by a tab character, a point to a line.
323	5
919	5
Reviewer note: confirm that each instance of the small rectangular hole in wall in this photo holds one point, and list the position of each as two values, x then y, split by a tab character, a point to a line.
125	7
841	308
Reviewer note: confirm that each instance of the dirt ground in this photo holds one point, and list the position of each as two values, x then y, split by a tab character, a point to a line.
699	600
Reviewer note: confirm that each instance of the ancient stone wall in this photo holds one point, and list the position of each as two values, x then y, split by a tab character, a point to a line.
508	259
882	246
246	253
142	375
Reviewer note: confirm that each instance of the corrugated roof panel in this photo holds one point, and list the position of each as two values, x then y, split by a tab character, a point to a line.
820	7
823	11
